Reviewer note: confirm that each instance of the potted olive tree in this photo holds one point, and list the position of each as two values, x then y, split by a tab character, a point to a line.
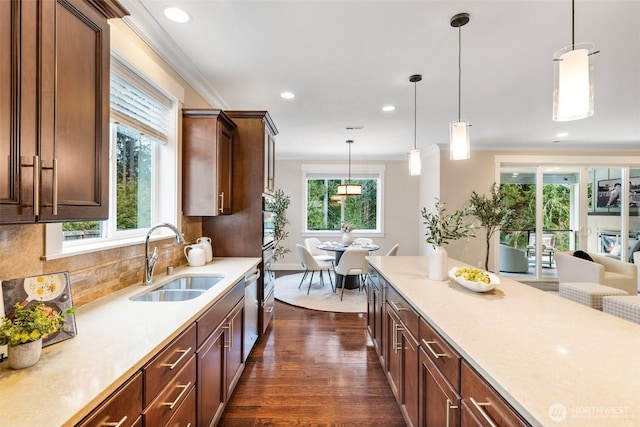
442	227
23	329
496	212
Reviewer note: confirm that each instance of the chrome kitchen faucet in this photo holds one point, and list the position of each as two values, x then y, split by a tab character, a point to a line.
150	262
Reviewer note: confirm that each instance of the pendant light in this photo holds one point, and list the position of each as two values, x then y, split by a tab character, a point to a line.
573	79
349	189
459	130
415	162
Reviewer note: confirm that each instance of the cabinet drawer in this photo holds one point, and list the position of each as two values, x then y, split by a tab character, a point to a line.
443	356
210	320
172	396
268	308
168	363
404	311
186	414
123	406
484	402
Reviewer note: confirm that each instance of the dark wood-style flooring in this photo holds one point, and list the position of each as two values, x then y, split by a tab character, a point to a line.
313	368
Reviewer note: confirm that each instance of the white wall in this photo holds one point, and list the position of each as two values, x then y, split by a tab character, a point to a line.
401	211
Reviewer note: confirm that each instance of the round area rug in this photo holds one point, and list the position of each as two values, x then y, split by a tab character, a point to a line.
320	297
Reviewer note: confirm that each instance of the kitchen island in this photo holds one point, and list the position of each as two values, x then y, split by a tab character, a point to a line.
116	338
554	361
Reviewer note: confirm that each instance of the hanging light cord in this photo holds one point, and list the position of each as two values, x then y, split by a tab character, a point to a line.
459	70
415	113
573	24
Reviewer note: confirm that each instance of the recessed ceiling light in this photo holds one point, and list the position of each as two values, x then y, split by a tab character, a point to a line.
562	134
388	108
177	15
287	95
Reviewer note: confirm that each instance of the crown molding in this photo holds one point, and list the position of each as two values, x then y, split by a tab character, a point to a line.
151	32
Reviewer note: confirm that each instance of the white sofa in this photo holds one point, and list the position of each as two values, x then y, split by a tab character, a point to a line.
603	270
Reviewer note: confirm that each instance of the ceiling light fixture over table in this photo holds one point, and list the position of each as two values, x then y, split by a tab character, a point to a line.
349	189
573	79
415	162
459	130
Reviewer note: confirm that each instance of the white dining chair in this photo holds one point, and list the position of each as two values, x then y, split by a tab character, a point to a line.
310	264
312	243
394	250
352	263
363	241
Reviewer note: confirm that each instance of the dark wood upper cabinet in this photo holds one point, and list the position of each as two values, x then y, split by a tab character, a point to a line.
207	163
54	110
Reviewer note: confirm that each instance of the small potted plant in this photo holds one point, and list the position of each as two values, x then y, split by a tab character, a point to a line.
23	329
443	227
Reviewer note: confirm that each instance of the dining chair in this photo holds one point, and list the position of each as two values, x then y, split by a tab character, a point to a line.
394	250
312	243
310	264
352	263
363	241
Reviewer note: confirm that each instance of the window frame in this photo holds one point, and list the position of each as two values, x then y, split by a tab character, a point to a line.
340	171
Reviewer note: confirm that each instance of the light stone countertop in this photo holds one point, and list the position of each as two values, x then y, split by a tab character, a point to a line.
543	353
115	338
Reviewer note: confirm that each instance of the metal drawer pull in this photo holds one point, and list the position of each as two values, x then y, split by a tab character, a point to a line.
118	424
479	407
36	185
184	390
436	355
184	353
221	209
270	309
397	306
55	187
449	408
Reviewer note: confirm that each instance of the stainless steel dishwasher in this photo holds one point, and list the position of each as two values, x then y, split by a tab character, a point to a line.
251	307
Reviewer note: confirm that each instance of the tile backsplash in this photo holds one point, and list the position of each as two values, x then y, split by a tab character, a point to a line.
94	274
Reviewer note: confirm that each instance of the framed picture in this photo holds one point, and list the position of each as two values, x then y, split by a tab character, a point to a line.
54	290
608	197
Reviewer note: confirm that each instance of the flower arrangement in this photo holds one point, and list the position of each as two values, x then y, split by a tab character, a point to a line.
443	227
346	227
30	323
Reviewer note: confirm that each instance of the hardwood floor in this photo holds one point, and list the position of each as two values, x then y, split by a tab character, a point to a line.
313	368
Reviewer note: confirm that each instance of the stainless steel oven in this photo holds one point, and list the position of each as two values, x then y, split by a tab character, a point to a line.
268	221
267	302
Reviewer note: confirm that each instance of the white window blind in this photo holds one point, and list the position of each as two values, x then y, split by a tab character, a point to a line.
137	103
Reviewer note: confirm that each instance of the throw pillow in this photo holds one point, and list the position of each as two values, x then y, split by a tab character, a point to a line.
582	255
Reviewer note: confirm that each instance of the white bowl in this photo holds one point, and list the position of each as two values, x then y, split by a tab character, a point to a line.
475	286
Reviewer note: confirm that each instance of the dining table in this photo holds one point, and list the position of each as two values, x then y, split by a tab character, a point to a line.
350	282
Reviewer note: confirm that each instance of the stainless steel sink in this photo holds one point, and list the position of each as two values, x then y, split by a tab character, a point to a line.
180	289
159	295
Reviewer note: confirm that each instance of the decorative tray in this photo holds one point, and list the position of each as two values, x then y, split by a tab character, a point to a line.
478	286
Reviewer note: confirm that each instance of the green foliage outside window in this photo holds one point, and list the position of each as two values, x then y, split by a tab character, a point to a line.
325	211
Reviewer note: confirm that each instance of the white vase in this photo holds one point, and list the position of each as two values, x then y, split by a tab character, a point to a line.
347	239
25	355
438	264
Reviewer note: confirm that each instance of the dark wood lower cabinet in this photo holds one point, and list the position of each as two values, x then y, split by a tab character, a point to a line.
439	402
211	374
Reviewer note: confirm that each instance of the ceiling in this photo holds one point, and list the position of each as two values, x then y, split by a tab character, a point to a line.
346	59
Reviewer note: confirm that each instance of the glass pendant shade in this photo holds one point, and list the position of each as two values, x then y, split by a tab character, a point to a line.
573	82
459	140
415	163
349	190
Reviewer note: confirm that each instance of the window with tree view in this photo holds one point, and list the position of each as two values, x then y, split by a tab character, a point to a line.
325	210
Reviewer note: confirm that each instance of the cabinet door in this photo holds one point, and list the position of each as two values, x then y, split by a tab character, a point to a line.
393	360
17	110
269	161
409	395
235	348
211	377
225	170
74	111
439	403
373	296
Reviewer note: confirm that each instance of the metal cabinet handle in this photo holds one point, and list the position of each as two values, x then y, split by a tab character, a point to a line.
397	328
432	351
221	208
174	364
449	408
479	407
184	390
36	185
270	309
55	187
397	306
117	424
